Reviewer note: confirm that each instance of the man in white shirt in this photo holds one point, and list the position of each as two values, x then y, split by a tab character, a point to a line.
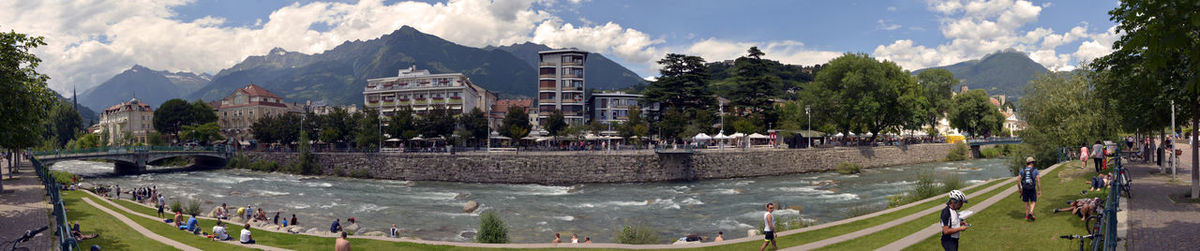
246	238
219	231
769	228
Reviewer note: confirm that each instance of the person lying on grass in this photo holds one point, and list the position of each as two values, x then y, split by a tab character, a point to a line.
1082	207
79	236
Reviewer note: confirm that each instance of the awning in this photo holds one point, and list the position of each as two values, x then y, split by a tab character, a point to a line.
758	136
813	134
392	140
702	136
738	135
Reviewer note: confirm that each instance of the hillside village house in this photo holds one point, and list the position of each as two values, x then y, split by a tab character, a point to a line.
132	119
245	106
421	91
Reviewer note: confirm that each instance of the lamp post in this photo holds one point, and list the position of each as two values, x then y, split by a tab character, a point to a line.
1172	154
808	112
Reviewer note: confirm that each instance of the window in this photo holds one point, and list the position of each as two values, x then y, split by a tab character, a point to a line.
603	103
547	71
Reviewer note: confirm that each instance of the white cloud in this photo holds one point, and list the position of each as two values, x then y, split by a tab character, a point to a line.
883	25
976	28
891	8
788	51
90	41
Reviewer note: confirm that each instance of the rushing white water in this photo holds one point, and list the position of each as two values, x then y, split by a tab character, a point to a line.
433	210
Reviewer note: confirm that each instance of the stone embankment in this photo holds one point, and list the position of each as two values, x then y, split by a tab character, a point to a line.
559	168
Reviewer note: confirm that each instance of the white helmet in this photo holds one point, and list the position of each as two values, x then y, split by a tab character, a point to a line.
957	195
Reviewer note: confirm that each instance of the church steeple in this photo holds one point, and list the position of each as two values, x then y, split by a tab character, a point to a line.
74	99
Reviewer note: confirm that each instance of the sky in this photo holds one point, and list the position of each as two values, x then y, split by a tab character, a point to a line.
89	41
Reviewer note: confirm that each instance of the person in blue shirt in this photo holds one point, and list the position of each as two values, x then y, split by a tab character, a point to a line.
191	224
337	226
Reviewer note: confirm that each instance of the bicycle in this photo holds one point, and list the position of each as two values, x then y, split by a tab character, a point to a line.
1082	239
24	238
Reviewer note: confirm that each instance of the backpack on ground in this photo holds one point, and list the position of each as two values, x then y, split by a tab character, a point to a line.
1027	179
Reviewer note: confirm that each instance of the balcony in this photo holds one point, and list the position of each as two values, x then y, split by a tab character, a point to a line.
455	100
572	75
547	76
570	88
403	102
546	64
573	63
548	88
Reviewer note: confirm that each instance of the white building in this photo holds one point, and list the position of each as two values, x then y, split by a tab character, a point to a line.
613	107
561	85
132	119
421	91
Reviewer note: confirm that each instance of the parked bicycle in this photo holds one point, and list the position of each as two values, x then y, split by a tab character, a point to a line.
28	234
1083	239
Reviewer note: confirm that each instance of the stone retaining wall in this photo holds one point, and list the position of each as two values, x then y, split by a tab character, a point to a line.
565	168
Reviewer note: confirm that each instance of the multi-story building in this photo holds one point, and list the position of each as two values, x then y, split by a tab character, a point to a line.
561	86
613	107
247	105
421	91
132	119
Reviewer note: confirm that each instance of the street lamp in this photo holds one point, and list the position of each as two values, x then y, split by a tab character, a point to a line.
808	111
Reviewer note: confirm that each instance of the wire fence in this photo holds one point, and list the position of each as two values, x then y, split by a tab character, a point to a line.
66	241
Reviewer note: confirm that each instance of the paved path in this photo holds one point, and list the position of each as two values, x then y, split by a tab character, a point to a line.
1156	222
934	229
140	229
127	221
24	206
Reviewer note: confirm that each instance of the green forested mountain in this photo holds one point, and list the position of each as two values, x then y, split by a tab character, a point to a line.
1004	72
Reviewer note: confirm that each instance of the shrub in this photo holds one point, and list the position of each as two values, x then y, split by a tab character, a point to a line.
860	210
193	208
636	234
360	173
991	153
952	182
491	229
239	161
926	187
959	152
788	222
63	177
849	168
264	166
176	206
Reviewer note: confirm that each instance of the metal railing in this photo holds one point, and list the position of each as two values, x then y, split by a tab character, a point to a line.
66	241
130	149
1113	202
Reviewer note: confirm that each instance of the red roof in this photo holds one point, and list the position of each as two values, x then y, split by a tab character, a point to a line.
502	105
254	90
129	106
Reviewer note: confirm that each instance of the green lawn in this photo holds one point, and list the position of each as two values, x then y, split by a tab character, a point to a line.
887	236
307	242
1004	225
114	235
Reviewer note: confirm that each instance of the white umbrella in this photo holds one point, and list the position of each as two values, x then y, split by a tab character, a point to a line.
392	140
839	135
758	136
738	135
418	138
702	136
590	136
721	136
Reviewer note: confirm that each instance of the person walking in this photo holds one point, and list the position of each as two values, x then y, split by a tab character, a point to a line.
1030	187
1083	156
1098	155
952	224
769	228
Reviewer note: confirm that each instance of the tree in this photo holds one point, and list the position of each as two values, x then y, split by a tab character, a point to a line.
155	138
516	123
307	162
203	133
1062	110
475	124
974	113
555	123
24	98
1162	37
202	113
401	122
437	122
855	92
755	84
367	133
63	124
682	83
172	115
936	87
634	125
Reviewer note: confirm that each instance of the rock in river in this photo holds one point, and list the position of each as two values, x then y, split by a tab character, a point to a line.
470	206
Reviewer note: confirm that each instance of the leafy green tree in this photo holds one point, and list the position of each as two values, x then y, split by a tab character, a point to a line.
203	133
974	113
437	122
681	83
1062	110
855	92
936	87
342	122
367	134
402	121
24	98
307	162
63	124
475	125
155	138
516	123
635	125
1162	37
755	84
172	115
555	123
202	113
88	140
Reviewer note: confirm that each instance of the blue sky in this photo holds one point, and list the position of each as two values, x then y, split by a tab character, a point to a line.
90	42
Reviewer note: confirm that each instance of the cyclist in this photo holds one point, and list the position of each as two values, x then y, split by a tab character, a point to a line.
1030	187
952	224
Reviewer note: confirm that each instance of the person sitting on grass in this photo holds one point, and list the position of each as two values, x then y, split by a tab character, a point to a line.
219	232
246	238
79	236
178	218
1082	207
1099	183
336	226
191	225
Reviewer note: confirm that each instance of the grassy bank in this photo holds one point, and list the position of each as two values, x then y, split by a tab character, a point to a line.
1003	224
114	235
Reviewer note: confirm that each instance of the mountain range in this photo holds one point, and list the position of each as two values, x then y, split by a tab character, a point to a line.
337	76
1004	72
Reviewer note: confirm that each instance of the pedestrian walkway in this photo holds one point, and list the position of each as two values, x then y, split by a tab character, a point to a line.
1155	221
23	206
140	229
127	221
935	229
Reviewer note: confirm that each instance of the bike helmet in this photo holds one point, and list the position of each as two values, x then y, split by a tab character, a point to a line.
957	195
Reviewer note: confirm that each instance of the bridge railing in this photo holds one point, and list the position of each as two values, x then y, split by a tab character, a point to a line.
62	229
130	149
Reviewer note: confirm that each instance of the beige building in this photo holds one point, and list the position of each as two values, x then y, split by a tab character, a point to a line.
420	90
243	107
132	119
561	86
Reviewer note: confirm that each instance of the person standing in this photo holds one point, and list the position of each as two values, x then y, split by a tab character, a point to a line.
769	228
395	232
1098	155
1083	156
1030	187
952	224
161	205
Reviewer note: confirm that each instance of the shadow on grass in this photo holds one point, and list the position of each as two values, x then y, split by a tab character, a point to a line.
105	239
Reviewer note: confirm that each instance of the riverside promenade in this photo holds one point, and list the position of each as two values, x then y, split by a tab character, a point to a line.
23	206
1156	221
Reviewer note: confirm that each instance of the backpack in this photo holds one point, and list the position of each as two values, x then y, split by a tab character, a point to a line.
1027	179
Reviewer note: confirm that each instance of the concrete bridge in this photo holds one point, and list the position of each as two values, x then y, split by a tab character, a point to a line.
977	143
132	160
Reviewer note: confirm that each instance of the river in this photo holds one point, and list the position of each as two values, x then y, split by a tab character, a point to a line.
430	210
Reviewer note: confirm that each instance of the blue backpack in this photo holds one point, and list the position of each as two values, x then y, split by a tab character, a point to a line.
1027	179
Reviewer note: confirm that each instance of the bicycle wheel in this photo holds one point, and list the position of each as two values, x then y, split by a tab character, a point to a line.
1092	224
